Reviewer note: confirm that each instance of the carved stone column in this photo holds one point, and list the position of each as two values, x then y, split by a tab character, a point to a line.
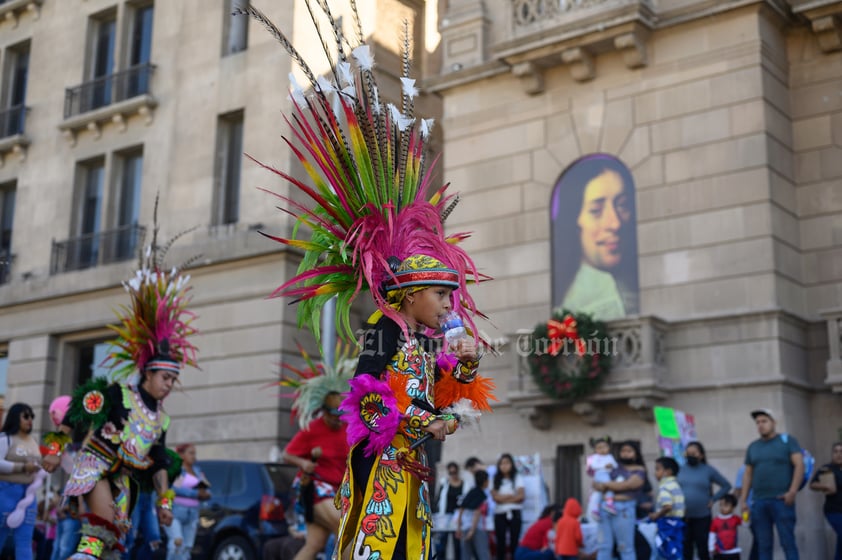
834	341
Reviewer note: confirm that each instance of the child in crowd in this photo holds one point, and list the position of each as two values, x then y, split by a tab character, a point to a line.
600	465
539	541
568	531
723	531
669	510
470	530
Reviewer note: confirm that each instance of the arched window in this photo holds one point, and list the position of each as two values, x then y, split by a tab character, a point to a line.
593	221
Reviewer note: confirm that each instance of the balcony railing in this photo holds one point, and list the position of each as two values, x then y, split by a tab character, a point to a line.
106	90
12	120
638	371
94	249
6	259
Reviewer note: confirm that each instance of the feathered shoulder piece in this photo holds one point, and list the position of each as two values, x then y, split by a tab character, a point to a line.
314	382
90	404
367	192
155	328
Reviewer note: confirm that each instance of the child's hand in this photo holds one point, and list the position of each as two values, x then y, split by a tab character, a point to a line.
465	350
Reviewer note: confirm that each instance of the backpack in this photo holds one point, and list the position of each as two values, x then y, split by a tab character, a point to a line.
809	463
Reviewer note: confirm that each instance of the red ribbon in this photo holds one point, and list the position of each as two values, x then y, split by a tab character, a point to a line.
559	331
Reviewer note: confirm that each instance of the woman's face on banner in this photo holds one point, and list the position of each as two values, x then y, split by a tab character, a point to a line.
605	210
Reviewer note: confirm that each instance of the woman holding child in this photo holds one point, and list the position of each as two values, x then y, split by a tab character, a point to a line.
627	483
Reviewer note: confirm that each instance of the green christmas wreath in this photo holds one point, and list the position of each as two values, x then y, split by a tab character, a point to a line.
569	355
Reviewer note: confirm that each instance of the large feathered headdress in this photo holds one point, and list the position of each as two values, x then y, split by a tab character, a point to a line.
368	184
316	381
155	328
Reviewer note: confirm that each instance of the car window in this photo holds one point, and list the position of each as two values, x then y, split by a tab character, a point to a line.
238	481
217	475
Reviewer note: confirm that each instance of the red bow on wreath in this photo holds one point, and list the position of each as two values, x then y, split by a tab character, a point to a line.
560	331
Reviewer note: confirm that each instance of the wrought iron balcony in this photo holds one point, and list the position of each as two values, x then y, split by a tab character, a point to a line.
12	120
98	248
106	90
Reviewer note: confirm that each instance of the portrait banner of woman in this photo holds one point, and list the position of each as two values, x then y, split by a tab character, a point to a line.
594	239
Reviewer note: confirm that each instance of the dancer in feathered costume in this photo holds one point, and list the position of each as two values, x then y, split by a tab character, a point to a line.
374	225
125	420
320	448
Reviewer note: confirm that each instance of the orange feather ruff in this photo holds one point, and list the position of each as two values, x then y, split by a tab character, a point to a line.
397	382
479	391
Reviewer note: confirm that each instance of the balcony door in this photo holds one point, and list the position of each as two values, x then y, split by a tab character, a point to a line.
7	215
128	206
140	52
102	62
16	76
85	252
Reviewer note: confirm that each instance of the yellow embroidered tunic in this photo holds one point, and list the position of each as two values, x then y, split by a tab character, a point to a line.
385	508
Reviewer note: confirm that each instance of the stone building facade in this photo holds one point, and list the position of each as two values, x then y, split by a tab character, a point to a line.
728	114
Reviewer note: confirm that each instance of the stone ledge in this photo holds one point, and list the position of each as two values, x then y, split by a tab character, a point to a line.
15	145
12	11
825	17
116	113
215	248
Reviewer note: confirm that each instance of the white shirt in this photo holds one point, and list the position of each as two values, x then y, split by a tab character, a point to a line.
598	462
508	488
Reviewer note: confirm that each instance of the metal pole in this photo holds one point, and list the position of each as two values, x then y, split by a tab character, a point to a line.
328	329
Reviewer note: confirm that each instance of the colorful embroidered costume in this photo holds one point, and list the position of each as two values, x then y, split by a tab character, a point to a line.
386	506
125	425
372	223
131	440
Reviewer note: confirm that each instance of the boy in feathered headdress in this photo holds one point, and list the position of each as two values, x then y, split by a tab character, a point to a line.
375	228
320	448
125	420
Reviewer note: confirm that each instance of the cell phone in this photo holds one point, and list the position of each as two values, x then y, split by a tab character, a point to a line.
203	485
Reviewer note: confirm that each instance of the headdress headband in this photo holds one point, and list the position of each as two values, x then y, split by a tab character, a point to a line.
160	363
432	277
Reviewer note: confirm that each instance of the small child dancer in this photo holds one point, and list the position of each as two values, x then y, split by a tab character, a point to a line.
600	465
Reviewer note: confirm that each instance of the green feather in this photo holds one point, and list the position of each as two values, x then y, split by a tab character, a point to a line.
81	418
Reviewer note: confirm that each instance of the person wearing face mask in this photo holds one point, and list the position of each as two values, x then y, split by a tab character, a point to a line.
697	479
627	482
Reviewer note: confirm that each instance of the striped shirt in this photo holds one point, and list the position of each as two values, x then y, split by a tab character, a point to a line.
669	493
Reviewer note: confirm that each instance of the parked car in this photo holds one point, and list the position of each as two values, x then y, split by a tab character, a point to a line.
248	507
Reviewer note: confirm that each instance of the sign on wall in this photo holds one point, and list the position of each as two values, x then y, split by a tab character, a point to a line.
675	429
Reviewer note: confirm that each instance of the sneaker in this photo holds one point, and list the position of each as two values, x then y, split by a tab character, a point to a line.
609	507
